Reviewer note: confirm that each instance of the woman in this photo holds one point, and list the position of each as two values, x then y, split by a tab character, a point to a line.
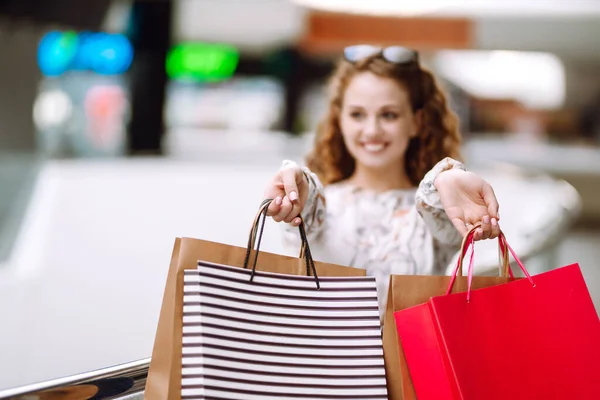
383	188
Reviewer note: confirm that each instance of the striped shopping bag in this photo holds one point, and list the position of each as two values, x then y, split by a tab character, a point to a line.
254	335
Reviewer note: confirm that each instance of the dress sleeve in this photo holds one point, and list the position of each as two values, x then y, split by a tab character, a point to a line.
430	206
314	211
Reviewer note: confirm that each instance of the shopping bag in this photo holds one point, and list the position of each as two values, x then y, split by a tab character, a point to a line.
280	336
533	338
164	375
257	335
406	291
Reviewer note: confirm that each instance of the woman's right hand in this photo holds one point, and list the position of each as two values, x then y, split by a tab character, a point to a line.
289	191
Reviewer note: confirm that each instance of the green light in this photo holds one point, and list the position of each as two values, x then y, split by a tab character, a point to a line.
69	42
203	62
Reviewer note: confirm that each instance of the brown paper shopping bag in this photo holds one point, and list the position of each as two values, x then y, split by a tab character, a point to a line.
411	290
164	375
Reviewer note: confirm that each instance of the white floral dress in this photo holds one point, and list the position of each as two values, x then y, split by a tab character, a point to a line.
404	231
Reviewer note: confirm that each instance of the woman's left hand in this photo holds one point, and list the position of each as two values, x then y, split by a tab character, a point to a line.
467	200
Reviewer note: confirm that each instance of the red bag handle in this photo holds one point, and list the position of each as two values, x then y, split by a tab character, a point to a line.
464	247
469	242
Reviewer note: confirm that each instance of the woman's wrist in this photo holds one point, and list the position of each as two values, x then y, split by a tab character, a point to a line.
445	178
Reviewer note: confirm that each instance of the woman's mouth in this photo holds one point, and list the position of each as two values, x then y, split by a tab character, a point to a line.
374	147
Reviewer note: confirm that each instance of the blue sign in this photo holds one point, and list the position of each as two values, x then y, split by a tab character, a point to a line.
103	53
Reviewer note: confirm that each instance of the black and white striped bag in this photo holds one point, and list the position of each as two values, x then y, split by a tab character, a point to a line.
260	336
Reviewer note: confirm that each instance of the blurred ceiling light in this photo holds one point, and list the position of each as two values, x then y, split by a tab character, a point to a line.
457	8
52	109
376	7
537	80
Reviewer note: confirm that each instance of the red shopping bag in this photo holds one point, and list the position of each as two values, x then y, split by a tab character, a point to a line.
534	338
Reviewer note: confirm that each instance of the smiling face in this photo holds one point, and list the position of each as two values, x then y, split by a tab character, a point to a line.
377	122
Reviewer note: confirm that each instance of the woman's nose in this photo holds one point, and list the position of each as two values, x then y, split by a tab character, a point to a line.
371	127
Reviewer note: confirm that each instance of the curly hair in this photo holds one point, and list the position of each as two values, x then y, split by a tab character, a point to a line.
438	135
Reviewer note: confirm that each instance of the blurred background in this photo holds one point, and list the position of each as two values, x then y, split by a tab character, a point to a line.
124	124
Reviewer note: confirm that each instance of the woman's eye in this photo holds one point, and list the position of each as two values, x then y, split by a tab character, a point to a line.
356	114
389	115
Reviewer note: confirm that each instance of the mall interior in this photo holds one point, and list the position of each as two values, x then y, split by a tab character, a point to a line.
125	124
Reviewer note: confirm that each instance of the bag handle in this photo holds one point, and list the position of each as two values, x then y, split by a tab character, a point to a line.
505	244
505	248
504	262
255	226
468	240
255	238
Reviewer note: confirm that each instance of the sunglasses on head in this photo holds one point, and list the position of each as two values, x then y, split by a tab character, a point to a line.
392	54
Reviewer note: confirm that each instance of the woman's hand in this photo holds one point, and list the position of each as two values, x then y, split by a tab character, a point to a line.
467	200
289	191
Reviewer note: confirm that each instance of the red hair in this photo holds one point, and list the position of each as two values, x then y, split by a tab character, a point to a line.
438	136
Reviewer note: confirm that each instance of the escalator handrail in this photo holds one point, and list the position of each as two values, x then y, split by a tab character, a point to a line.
117	381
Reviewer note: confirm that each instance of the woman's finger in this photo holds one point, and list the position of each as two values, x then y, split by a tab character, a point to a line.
274	207
478	234
486	227
489	197
284	211
495	228
293	213
290	178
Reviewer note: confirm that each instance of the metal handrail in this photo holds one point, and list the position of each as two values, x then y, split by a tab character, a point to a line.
123	381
